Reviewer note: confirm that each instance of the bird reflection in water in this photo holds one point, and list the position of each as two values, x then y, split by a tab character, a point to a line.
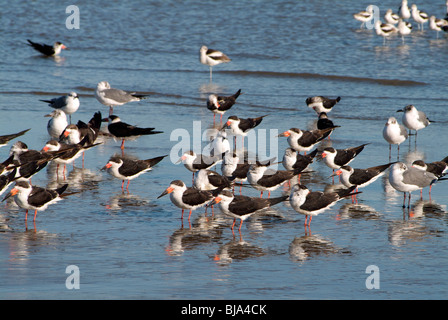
307	246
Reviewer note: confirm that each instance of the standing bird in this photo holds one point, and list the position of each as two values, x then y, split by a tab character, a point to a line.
364	16
323	122
321	104
361	178
241	127
394	133
125	131
311	203
34	198
195	162
391	18
124	168
46	49
220	104
404	29
292	160
437	24
405	13
68	103
57	123
242	207
336	158
438	168
302	140
233	169
414	119
419	16
115	97
385	30
211	58
211	180
8	137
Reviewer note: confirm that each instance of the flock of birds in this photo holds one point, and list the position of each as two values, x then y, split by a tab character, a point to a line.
69	141
398	23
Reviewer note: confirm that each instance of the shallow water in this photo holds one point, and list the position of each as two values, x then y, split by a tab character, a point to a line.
134	246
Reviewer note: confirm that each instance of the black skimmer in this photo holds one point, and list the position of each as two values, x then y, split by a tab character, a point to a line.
406	179
391	17
385	30
124	168
34	198
7	165
68	103
46	49
125	131
211	58
321	104
210	180
438	168
323	122
74	133
241	127
263	181
404	29
8	137
414	119
219	144
361	178
405	13
302	140
311	203
292	160
336	158
364	16
115	97
394	133
188	198
220	104
242	207
6	180
419	16
57	123
233	169
195	162
437	24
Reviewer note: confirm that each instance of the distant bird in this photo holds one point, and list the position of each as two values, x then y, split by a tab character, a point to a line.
221	104
8	137
187	198
321	104
302	140
211	58
211	180
437	24
34	198
112	97
336	158
241	127
414	119
394	133
125	131
361	177
68	103
385	30
311	203
391	18
57	123
46	49
125	168
242	207
404	29
364	16
419	16
404	11
406	179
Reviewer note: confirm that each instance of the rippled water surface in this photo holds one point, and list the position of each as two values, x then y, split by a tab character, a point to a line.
135	246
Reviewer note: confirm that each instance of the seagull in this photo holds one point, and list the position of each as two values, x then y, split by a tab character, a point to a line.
115	97
68	103
321	104
419	16
437	24
391	18
405	13
210	180
414	119
385	30
394	133
188	198
311	203
220	104
57	124
364	16
46	49
241	127
404	28
242	207
34	198
125	168
336	158
8	137
302	140
406	179
361	177
212	57
125	131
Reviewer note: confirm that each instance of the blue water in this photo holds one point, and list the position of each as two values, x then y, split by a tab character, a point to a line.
134	246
